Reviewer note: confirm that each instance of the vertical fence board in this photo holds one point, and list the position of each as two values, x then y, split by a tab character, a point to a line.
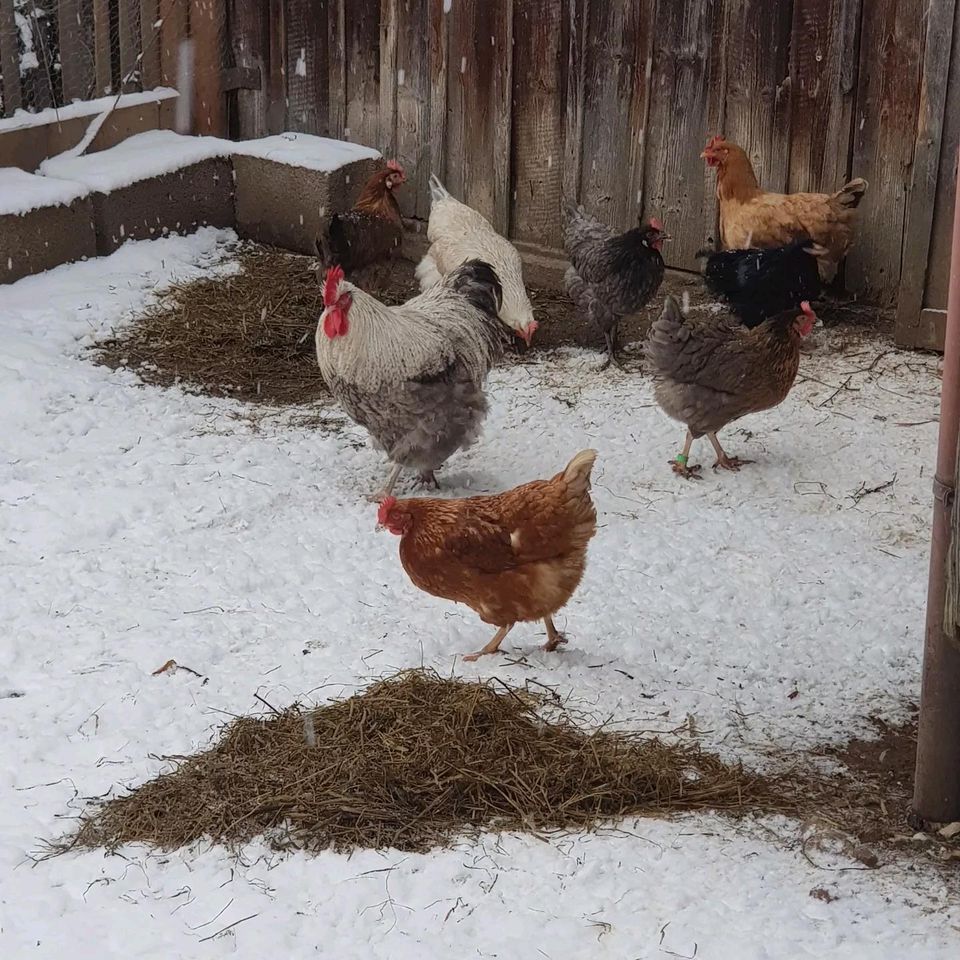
277	72
249	32
173	30
823	76
337	66
149	44
575	14
612	47
926	167
387	119
128	34
478	107
758	86
412	139
885	130
206	22
9	60
684	71
537	135
362	43
305	23
102	68
439	68
73	73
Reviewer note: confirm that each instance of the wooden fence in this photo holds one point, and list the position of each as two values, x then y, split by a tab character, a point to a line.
518	104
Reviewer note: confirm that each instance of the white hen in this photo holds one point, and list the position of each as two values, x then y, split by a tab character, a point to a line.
458	233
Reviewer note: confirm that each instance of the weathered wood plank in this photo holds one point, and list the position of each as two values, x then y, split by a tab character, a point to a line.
685	71
538	118
173	31
387	119
102	66
757	118
613	46
439	52
305	25
9	59
823	75
73	62
249	33
276	81
362	42
478	88
128	37
575	34
917	235
337	66
412	143
888	94
206	24
149	44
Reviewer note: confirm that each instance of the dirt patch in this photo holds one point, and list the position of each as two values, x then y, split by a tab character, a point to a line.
414	762
249	335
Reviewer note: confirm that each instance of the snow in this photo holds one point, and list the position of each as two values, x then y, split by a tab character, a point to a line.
83	108
21	192
142	524
145	155
305	150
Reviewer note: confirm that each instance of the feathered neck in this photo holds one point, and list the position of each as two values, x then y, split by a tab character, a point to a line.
735	178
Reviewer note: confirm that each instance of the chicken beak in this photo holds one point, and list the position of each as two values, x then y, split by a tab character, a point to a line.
526	334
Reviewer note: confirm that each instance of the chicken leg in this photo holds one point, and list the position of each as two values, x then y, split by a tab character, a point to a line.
493	646
723	461
380	495
554	636
679	463
428	479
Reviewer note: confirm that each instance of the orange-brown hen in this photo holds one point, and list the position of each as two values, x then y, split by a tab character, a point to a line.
371	231
516	556
752	217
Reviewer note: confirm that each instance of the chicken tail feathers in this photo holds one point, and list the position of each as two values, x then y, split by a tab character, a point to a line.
850	194
479	284
577	472
437	190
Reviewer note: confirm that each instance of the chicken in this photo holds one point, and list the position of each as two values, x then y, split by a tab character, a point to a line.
751	217
457	233
516	556
413	374
759	284
711	370
611	275
371	231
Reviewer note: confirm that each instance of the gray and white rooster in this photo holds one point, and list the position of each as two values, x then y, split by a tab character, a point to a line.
611	275
413	374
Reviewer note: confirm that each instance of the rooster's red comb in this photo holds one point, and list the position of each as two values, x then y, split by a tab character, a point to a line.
394	166
808	310
386	505
332	285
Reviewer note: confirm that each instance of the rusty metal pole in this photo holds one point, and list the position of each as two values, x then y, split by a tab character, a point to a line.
936	797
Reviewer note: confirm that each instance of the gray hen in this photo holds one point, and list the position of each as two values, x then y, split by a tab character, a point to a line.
611	275
414	374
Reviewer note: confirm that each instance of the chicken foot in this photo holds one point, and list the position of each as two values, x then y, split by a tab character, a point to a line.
493	646
429	479
680	465
723	461
554	636
611	338
380	495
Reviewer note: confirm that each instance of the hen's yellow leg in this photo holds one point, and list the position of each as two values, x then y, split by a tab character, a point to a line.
493	646
723	461
679	464
554	636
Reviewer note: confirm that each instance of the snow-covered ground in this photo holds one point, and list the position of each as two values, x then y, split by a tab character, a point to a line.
140	524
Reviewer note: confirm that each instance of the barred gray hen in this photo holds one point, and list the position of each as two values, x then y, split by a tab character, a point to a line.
413	374
611	275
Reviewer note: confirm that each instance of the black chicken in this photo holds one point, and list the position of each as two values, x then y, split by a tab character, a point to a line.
759	284
611	275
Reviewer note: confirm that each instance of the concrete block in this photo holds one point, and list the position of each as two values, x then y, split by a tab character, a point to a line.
45	238
287	184
200	194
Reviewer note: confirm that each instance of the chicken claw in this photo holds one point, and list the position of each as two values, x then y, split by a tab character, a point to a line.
723	462
428	479
554	636
492	647
682	469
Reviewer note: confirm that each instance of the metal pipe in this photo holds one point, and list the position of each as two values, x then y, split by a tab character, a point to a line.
936	797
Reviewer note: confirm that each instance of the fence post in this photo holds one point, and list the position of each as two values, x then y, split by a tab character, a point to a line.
9	61
936	797
206	29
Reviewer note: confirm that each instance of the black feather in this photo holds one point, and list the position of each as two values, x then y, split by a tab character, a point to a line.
478	282
759	284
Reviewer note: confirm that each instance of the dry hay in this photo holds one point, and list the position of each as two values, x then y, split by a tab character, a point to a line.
414	762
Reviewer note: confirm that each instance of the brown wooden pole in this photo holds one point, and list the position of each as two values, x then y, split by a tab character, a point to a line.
936	797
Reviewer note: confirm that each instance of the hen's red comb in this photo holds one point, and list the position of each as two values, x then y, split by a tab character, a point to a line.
808	310
394	166
715	141
386	505
331	285
656	224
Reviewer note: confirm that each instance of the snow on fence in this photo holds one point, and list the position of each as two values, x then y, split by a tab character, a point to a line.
518	104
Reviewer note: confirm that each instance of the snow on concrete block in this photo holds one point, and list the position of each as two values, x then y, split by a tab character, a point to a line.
152	184
288	183
43	223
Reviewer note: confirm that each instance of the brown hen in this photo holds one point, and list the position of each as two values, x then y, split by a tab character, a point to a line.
711	370
516	556
752	217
